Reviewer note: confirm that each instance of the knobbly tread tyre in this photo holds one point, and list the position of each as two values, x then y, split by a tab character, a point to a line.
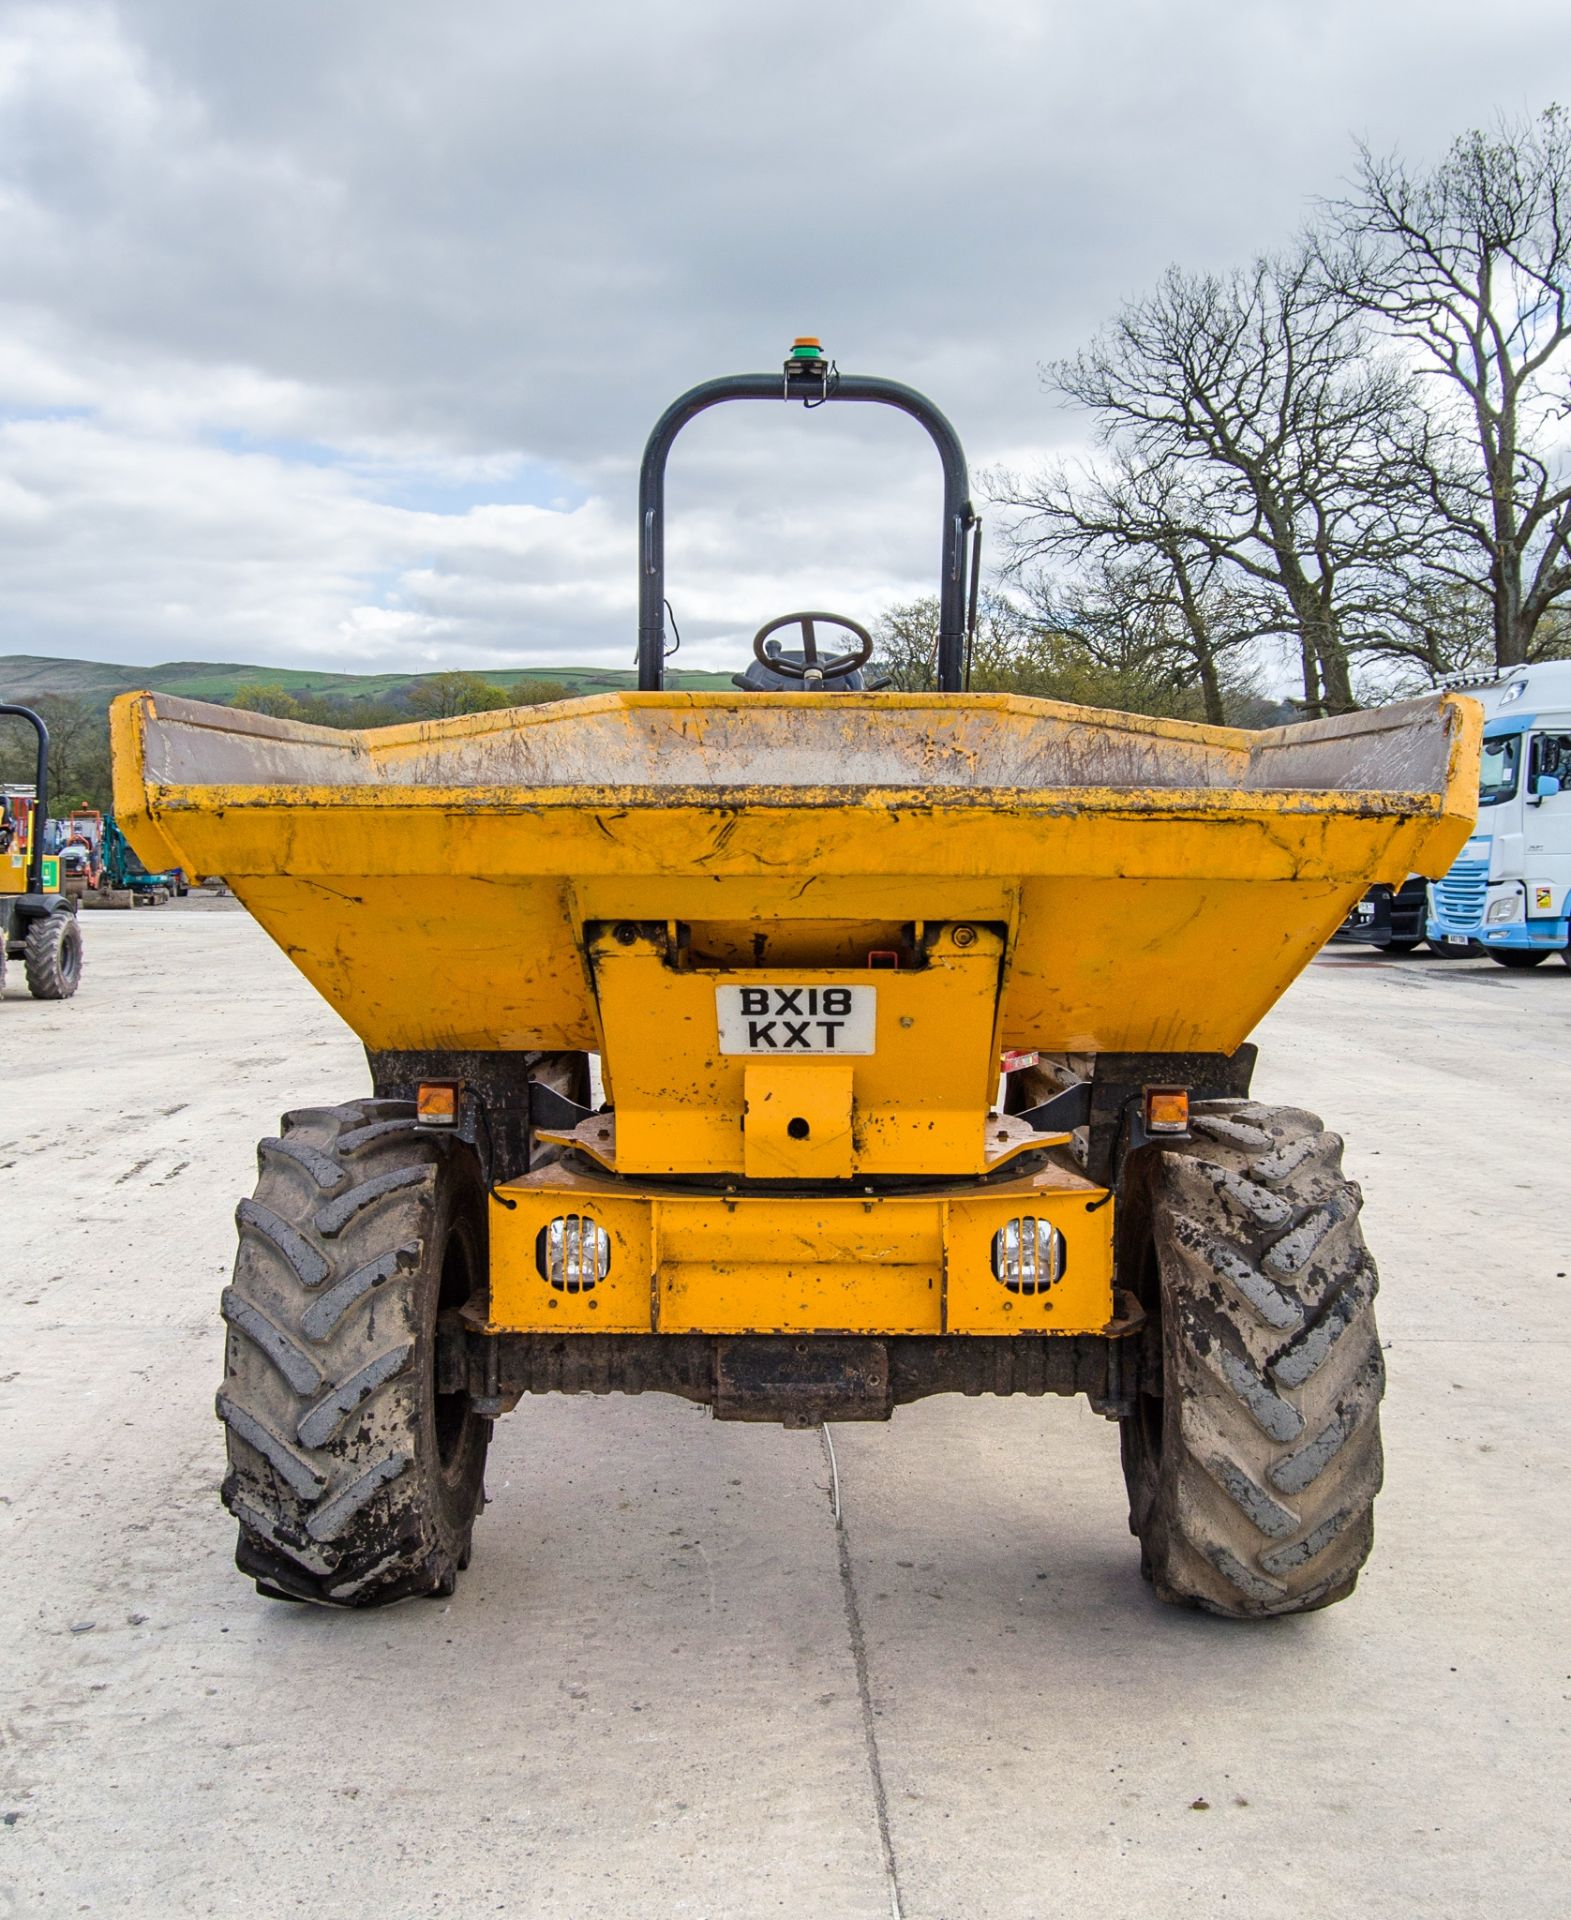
1252	1479
52	956
353	1485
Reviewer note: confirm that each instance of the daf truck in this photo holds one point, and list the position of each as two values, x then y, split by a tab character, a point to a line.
1507	890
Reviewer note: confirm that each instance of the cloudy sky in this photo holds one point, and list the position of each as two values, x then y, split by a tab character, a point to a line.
330	334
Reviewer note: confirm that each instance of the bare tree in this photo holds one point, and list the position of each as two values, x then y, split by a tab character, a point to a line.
1252	429
1101	643
1472	263
1140	575
905	646
905	641
1444	626
1131	632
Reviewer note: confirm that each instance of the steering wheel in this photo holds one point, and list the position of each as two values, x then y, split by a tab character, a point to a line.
812	667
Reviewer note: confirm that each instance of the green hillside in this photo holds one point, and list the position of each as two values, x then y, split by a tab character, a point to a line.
96	682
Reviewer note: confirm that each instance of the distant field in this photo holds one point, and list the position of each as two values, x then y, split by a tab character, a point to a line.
98	681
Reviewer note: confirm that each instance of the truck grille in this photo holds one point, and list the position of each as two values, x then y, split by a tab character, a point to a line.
1460	895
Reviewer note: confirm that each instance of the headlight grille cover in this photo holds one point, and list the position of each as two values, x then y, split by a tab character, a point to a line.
573	1253
1028	1255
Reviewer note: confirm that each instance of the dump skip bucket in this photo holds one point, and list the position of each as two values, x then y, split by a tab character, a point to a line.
1158	884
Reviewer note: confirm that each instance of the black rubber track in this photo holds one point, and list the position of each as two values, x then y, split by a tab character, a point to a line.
353	1483
52	956
1252	1478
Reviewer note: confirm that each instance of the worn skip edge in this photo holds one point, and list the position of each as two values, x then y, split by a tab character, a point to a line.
133	797
1136	803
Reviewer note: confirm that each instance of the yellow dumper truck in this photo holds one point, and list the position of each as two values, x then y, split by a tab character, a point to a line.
800	926
38	924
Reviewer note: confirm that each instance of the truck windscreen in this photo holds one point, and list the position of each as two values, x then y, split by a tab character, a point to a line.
1497	773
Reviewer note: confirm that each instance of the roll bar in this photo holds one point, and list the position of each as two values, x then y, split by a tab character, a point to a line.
35	853
815	383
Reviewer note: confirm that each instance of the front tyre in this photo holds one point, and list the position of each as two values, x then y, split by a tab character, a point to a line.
52	956
1253	1468
355	1482
1519	956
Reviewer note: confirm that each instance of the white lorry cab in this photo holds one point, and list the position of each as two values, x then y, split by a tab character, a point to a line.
1507	891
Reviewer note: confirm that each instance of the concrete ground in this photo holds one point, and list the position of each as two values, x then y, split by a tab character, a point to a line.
668	1686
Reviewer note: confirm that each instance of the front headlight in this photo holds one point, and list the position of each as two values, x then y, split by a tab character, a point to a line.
573	1253
1028	1255
1506	908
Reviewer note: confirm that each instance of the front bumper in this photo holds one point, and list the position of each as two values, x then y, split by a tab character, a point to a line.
1538	935
836	1261
1368	923
1384	918
1527	920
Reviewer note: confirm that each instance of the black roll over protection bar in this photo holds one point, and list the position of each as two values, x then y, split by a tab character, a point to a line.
35	859
816	382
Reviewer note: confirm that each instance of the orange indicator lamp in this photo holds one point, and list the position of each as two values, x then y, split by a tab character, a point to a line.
436	1103
1167	1109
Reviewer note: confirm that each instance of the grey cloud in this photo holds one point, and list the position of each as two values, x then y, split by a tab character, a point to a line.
379	238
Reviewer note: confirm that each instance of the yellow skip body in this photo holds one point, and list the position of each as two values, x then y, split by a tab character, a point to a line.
1001	873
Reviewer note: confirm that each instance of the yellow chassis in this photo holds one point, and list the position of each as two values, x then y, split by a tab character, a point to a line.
685	1261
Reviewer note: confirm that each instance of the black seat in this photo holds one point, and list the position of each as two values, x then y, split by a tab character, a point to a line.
759	679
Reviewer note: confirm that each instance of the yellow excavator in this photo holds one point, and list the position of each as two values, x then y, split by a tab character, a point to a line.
801	925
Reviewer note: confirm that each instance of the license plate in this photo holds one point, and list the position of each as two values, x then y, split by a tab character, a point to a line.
1364	913
1457	940
796	1019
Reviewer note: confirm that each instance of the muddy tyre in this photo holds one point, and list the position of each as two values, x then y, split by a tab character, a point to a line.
354	1481
1253	1470
52	956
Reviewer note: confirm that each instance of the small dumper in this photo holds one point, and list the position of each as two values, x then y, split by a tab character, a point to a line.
38	923
802	925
